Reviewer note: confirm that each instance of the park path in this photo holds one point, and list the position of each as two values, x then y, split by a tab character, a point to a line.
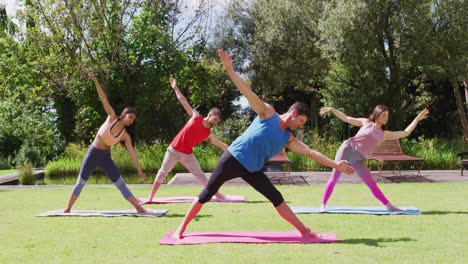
295	178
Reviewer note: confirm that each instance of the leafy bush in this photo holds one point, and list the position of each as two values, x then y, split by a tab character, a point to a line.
437	153
303	163
68	164
28	153
5	163
26	176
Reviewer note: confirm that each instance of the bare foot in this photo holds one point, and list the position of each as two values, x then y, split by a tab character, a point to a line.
323	208
177	235
66	210
144	211
310	233
391	207
221	196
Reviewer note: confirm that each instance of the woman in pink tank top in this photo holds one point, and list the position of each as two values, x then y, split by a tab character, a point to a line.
116	129
358	148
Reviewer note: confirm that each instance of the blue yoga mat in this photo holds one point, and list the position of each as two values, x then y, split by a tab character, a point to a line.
376	210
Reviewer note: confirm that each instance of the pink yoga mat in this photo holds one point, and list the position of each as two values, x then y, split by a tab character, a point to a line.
189	199
246	237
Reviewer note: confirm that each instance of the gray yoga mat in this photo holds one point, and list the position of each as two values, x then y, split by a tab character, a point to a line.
377	210
155	213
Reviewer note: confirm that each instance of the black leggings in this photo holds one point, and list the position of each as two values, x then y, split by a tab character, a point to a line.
229	168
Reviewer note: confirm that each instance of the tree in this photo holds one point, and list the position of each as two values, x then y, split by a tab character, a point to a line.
450	48
26	131
130	47
274	44
382	53
46	96
349	54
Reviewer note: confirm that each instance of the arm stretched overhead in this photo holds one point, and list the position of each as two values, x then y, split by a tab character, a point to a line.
263	109
183	101
102	96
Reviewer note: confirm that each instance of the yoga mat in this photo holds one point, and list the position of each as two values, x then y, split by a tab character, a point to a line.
246	237
155	213
189	199
377	210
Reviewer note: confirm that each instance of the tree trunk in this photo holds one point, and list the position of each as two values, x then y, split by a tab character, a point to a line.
461	109
465	82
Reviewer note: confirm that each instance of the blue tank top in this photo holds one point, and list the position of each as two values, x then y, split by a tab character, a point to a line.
259	143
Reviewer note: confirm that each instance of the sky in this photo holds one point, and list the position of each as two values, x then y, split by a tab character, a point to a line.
188	7
11	6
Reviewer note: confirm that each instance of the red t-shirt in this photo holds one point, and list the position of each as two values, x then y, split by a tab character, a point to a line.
190	135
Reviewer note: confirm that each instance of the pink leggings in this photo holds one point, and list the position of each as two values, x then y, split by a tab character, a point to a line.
347	153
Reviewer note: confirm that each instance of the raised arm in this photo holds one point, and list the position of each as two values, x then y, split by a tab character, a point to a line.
102	96
215	141
389	135
263	109
360	122
301	148
183	101
133	156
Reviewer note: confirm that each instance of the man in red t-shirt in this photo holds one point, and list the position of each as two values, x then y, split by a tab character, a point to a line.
195	131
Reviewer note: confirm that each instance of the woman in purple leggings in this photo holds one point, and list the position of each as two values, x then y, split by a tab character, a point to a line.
358	148
116	129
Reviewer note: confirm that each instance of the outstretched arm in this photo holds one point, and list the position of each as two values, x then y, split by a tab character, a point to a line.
102	96
133	156
301	148
360	122
190	111
215	141
389	135
263	109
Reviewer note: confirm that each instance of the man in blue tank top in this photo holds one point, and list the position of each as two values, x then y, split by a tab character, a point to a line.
265	137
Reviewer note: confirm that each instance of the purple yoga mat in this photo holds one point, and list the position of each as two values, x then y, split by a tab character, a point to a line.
246	237
189	199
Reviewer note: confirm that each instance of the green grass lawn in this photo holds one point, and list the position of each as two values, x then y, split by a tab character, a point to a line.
439	235
6	172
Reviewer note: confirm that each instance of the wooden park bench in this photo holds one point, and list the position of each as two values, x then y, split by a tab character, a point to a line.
463	161
390	150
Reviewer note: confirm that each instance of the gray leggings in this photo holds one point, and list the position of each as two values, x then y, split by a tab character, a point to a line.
100	158
356	160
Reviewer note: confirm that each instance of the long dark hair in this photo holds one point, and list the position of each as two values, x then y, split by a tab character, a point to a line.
377	111
131	129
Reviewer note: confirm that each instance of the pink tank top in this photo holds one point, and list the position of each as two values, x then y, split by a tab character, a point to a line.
366	140
105	133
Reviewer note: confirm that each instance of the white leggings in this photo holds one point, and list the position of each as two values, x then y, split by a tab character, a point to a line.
188	160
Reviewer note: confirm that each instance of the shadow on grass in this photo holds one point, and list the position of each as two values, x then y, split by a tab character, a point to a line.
254	202
443	212
376	242
408	178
